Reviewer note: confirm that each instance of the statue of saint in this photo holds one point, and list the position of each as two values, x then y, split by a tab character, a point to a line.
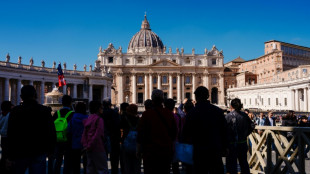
42	63
74	67
19	60
7	58
31	61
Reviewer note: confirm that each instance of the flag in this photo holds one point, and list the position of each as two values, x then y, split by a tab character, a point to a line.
61	78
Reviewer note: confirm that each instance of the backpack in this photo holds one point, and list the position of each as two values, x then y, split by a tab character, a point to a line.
130	142
61	126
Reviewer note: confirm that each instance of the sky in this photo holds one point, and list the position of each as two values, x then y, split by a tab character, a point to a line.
72	31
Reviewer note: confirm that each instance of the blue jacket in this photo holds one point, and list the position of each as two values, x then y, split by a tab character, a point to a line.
75	129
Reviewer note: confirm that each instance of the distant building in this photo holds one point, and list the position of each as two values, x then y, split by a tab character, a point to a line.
149	65
278	80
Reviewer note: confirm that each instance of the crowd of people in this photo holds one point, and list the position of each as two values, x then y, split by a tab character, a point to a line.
30	135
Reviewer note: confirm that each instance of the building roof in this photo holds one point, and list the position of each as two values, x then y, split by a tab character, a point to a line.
290	45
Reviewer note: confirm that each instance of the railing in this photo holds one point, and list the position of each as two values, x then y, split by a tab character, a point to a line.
270	150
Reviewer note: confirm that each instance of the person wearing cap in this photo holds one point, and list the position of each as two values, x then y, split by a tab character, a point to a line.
156	135
205	128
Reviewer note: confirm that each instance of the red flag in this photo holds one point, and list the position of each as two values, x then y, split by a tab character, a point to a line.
61	78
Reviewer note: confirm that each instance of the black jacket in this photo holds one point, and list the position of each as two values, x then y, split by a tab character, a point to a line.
267	122
244	126
205	127
31	131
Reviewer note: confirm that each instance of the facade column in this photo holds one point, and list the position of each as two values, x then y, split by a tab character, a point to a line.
206	80
179	88
222	95
18	92
145	87
296	100
305	100
90	92
170	86
158	81
6	89
151	84
308	98
120	88
109	90
134	89
193	86
42	92
74	90
31	82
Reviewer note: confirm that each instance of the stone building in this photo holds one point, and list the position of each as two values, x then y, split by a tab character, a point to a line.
149	65
282	76
91	85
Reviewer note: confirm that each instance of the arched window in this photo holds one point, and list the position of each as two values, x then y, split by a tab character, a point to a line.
165	80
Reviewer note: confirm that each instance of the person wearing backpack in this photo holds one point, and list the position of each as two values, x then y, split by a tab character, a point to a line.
75	131
132	165
239	127
61	119
93	140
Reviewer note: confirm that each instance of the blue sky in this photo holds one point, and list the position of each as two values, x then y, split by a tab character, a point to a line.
72	31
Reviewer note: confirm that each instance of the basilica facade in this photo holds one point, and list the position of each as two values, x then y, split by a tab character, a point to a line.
149	65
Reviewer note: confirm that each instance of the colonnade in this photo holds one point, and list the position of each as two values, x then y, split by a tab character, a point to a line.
12	89
300	99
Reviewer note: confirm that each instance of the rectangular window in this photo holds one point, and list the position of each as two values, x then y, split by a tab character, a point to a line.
262	101
140	79
277	102
174	80
285	101
214	81
175	61
127	61
187	80
110	60
154	61
250	102
268	101
165	95
140	61
244	101
213	61
188	95
165	81
140	97
154	80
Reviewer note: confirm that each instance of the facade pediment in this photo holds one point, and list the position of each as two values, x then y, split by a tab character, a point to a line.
164	62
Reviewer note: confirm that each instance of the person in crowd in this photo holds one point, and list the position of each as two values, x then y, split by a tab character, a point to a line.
252	117
93	140
260	122
304	123
210	143
156	135
239	127
270	120
169	104
112	134
6	107
75	131
148	104
290	119
63	145
181	108
132	164
246	111
31	134
123	115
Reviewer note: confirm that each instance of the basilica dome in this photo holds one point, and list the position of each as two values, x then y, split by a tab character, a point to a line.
145	40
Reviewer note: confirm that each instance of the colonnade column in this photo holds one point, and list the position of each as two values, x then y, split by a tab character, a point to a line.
74	90
179	89
151	85
19	86
296	100
120	92
182	87
145	87
6	89
305	100
170	86
193	85
134	89
292	100
90	93
64	89
109	90
158	81
105	91
31	82
42	91
308	97
206	80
